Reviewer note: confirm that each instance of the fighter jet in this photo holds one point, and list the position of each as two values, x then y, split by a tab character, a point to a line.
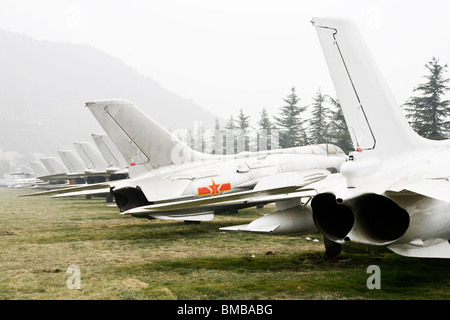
169	180
394	192
22	178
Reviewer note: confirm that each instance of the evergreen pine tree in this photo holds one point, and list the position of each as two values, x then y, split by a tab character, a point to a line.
264	120
428	112
243	122
242	130
229	136
289	122
318	124
265	127
217	139
338	130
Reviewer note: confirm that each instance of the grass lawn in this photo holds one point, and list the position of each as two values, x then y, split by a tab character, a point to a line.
43	239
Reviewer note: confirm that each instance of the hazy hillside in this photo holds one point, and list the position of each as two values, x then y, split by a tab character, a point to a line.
44	87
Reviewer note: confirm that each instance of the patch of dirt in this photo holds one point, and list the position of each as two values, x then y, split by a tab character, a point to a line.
132	283
49	270
7	233
312	258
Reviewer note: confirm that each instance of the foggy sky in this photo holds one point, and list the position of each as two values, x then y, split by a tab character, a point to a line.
227	55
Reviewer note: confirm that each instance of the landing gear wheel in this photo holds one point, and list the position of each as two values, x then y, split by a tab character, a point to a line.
332	249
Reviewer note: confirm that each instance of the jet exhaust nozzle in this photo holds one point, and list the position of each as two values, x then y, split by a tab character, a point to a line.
128	198
368	218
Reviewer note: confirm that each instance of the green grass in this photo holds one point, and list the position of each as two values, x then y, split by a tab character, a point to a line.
123	257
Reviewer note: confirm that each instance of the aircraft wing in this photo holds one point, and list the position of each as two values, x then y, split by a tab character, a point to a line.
54	177
100	187
275	188
244	198
67	176
85	192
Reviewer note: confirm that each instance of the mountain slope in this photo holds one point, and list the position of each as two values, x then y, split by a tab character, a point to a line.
44	86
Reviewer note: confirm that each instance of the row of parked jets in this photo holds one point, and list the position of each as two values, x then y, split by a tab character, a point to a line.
89	164
392	192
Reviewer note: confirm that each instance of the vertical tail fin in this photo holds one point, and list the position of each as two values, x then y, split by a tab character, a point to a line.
38	169
109	151
91	157
53	166
71	161
374	118
141	140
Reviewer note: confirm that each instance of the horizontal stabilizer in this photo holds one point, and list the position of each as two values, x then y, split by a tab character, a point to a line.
248	227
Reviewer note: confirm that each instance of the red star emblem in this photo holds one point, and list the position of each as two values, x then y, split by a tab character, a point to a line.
214	188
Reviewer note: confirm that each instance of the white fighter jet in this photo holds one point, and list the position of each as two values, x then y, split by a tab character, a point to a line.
73	170
22	178
395	190
169	180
